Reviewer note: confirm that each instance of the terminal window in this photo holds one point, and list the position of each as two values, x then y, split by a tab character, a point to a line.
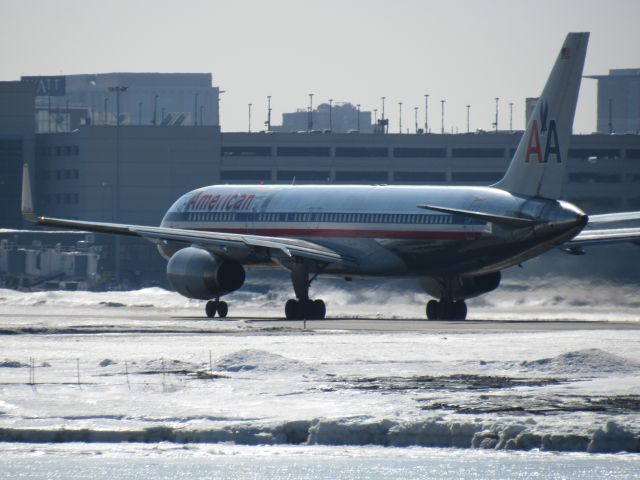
419	177
246	151
594	153
477	152
633	153
245	175
593	177
303	176
476	177
361	152
361	177
420	152
304	151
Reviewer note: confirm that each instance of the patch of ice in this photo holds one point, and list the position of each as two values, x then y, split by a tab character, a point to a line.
613	438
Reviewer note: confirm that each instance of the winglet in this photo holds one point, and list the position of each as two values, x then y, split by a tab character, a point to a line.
27	199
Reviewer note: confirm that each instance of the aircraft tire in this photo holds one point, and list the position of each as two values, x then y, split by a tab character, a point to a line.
291	309
319	310
222	309
432	310
210	308
460	309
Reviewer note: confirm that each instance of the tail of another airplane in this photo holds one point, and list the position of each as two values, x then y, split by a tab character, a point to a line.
538	166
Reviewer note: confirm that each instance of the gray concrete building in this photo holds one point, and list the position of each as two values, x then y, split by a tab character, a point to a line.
17	146
132	174
619	101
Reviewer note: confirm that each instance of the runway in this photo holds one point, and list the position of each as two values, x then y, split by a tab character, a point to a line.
146	367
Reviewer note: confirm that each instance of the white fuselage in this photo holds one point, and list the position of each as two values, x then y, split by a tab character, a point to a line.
379	225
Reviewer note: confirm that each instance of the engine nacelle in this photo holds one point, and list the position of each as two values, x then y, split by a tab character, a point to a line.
197	273
461	288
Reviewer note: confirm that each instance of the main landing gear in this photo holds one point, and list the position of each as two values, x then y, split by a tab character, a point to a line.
303	308
216	306
446	310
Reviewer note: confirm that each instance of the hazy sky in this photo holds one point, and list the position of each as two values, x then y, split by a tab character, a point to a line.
466	52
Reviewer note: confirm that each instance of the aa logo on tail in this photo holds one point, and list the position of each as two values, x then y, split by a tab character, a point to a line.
549	135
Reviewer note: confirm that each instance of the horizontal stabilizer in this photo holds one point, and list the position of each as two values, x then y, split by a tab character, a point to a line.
504	220
588	238
614	217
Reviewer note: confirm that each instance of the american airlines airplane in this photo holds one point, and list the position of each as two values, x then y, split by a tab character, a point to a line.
454	240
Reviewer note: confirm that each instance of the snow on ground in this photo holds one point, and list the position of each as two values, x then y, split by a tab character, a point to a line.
164	377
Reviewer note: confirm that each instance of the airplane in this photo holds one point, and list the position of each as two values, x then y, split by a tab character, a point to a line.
454	240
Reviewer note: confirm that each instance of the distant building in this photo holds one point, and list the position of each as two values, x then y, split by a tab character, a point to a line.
619	101
177	99
337	118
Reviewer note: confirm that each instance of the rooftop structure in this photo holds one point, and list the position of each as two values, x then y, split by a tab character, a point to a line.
178	99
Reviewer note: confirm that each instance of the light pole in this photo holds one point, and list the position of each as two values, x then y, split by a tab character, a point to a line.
116	190
382	115
497	100
155	109
195	109
610	116
426	113
511	116
358	105
249	118
400	117
468	108
268	113
310	122
442	116
415	109
330	114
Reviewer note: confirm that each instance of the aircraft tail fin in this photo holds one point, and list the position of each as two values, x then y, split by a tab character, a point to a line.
539	163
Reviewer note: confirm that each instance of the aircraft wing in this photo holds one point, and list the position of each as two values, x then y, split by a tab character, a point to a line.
291	247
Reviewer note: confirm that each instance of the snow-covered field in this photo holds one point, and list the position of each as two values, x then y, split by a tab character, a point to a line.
144	366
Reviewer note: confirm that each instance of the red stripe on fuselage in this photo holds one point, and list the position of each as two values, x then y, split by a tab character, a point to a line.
339	233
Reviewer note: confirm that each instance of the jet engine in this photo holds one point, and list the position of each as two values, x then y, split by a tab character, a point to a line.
461	288
197	273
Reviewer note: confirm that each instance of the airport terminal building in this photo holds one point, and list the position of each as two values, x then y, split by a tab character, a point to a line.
125	171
